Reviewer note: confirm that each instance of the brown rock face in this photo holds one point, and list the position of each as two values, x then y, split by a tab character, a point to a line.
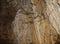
7	14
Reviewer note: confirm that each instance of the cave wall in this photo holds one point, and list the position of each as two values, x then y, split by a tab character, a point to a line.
46	13
29	22
7	14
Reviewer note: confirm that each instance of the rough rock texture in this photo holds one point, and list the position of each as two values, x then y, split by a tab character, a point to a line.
29	22
23	23
54	11
47	28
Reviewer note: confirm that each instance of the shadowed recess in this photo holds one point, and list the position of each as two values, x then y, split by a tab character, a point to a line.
7	15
